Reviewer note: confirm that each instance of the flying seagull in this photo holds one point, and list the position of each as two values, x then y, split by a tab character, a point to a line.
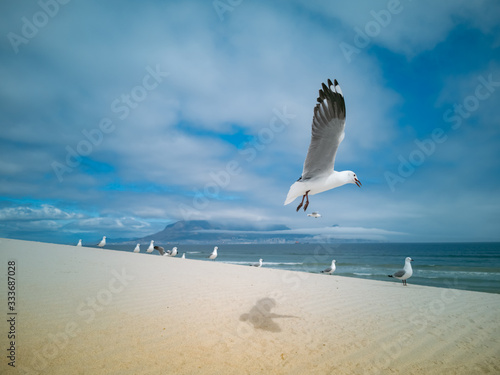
160	249
327	132
259	264
213	255
405	273
315	215
330	269
103	242
151	247
137	248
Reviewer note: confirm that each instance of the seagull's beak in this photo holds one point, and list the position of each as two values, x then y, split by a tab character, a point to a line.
357	182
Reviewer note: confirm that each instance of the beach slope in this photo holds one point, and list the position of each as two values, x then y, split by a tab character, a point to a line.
83	310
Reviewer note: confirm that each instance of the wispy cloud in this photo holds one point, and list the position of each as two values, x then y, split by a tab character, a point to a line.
45	212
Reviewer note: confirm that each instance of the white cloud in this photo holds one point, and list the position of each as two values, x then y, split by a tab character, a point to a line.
128	225
398	21
45	212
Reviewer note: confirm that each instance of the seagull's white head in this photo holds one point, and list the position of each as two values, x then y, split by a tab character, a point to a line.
408	259
353	179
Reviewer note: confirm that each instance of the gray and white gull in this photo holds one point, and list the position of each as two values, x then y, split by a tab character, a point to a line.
405	273
330	269
327	133
103	242
151	247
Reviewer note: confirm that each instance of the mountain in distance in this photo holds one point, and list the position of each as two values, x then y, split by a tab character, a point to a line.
207	232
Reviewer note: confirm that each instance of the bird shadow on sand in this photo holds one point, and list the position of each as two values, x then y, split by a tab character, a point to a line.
261	317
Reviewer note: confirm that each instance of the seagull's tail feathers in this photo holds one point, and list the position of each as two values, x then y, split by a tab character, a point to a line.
294	192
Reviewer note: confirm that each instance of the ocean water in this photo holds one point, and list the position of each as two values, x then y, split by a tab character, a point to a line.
467	266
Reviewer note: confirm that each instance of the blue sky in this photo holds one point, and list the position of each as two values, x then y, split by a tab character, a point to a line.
120	118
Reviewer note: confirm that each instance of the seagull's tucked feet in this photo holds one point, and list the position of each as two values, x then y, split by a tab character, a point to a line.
307	200
301	203
305	196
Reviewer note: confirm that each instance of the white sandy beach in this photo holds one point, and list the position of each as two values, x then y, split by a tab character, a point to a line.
95	311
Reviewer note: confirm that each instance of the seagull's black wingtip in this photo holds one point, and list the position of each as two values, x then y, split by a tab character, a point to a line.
335	82
330	82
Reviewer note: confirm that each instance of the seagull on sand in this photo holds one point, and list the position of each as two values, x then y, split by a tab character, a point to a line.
405	273
327	132
183	256
137	248
103	242
172	253
160	249
257	264
79	243
330	269
151	247
213	255
314	215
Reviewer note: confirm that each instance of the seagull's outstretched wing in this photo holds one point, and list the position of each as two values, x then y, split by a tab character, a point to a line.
327	131
160	249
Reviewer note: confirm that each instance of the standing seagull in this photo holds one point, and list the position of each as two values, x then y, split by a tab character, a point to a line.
257	264
327	132
137	248
173	252
213	255
330	269
79	243
103	242
405	273
151	247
